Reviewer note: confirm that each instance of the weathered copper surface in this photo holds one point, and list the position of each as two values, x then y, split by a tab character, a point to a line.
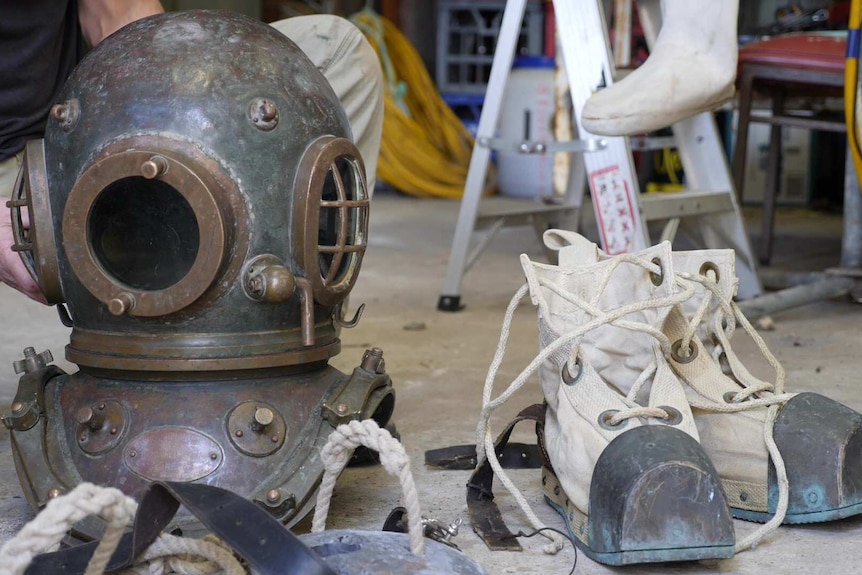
175	428
36	246
93	236
101	425
199	207
820	441
330	186
654	497
241	140
256	428
172	454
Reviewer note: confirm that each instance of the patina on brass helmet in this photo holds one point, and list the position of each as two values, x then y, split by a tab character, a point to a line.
198	205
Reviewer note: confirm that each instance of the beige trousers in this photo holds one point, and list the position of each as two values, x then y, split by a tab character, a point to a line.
8	173
346	59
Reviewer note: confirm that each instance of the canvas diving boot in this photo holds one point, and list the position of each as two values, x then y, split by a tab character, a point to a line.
691	69
782	457
624	466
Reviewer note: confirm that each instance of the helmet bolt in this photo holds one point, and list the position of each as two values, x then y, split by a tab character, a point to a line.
66	114
60	112
373	360
267	111
154	167
263	416
263	114
123	303
86	416
273	496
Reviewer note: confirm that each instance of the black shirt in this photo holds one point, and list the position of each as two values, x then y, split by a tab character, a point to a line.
40	44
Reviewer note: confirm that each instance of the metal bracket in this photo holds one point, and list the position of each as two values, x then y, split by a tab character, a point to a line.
537	147
29	403
352	402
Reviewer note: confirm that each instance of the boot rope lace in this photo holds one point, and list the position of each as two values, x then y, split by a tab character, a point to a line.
484	435
753	393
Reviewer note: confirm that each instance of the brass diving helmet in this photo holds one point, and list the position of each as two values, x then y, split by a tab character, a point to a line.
199	207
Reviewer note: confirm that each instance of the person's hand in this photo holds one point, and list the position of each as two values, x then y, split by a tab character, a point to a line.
12	270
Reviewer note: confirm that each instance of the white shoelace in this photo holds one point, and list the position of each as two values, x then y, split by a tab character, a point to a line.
754	393
484	435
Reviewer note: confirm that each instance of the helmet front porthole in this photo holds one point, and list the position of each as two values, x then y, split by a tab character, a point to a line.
145	234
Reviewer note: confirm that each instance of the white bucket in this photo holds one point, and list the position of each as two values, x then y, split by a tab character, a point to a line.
527	114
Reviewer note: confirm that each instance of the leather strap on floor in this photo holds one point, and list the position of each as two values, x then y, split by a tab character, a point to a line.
267	546
512	456
484	514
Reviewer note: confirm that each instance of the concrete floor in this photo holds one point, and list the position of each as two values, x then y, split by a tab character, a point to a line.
439	371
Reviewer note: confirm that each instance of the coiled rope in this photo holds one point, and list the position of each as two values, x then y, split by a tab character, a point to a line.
335	455
425	150
209	555
168	554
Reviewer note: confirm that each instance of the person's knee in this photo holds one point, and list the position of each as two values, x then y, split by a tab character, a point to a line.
325	39
351	66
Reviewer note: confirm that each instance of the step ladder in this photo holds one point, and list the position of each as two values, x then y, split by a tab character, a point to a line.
707	211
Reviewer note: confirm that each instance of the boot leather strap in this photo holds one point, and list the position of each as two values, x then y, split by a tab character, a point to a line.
266	545
511	456
484	514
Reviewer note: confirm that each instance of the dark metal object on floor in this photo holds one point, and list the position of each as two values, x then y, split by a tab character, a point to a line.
202	212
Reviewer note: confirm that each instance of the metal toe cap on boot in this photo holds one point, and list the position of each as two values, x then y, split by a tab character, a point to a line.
656	496
820	441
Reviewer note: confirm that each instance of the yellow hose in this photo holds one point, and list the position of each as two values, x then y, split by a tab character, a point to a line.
425	149
851	84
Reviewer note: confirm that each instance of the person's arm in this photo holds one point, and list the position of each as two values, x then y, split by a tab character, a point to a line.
101	18
12	270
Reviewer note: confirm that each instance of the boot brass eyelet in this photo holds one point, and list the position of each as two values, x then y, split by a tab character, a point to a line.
605	420
567	376
709	267
678	357
657	278
674	417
